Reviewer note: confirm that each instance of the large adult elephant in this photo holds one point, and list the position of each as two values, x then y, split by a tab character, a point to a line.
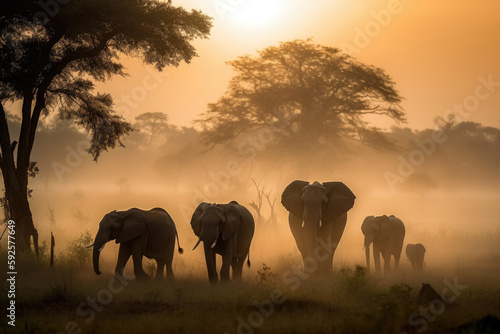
416	253
227	230
317	218
387	234
140	233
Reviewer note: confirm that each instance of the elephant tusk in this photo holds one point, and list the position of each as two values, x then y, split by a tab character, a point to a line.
89	246
100	249
320	223
303	223
199	240
215	243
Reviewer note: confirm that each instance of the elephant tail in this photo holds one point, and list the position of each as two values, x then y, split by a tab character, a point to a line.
180	250
248	259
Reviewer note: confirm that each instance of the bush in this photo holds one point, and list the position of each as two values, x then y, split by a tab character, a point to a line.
78	251
355	279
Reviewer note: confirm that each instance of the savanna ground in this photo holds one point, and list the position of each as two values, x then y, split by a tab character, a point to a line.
71	298
350	301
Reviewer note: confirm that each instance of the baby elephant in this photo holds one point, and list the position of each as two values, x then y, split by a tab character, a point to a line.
415	253
140	233
225	229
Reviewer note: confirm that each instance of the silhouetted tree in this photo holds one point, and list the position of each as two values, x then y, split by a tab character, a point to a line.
309	96
50	60
154	128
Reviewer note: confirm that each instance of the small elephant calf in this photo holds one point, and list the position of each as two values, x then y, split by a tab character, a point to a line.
416	253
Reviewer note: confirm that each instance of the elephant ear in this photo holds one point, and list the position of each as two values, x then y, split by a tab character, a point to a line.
365	223
232	222
195	219
340	200
292	198
134	225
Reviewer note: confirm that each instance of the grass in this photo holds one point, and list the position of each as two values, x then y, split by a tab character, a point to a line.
71	297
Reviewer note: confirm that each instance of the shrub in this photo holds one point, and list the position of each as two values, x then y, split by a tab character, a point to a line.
78	251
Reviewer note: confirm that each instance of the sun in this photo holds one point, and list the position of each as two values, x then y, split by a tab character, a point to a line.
258	13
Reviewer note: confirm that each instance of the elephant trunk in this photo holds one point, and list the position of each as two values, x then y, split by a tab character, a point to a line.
368	242
100	241
311	236
210	260
95	259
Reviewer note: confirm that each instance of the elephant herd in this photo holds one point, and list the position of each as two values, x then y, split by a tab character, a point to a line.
317	219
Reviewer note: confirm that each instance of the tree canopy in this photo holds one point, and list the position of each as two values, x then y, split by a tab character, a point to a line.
313	94
51	55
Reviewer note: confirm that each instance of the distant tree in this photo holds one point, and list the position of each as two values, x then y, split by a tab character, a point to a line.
50	61
154	128
310	96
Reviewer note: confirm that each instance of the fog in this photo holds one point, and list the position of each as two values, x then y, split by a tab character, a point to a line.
447	195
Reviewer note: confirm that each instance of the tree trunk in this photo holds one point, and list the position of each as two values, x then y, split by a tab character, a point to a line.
20	213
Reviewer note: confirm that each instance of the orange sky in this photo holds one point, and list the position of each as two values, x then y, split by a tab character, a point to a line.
434	51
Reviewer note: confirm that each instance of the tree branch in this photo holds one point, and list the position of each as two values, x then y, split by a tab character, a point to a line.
81	53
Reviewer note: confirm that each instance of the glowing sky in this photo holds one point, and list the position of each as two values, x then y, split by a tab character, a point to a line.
435	51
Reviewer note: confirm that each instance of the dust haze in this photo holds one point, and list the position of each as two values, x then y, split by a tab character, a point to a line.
445	192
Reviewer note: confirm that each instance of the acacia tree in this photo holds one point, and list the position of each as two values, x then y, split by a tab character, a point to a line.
50	62
154	126
315	95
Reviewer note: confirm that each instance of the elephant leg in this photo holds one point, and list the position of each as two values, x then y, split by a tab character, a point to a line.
227	259
376	257
396	261
170	271
323	254
168	260
211	265
413	264
160	264
387	261
123	256
420	264
298	234
237	265
138	248
337	230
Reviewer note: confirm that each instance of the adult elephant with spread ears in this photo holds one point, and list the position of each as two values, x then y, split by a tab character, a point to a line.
140	233
317	218
227	230
387	234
